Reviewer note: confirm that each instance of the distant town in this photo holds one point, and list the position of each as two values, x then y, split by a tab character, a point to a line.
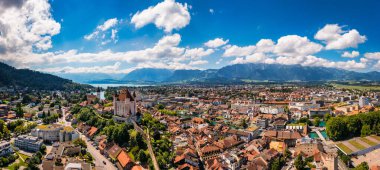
254	126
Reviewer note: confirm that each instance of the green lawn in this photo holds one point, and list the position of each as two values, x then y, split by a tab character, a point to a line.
356	87
357	145
369	142
344	148
23	156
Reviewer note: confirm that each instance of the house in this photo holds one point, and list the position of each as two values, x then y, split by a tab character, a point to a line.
113	152
124	161
289	137
90	133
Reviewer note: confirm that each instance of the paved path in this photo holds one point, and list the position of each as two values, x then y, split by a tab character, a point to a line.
98	158
320	135
150	148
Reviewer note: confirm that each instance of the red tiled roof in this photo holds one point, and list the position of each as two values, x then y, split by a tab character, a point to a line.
124	159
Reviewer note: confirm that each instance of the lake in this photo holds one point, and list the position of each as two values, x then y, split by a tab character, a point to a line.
120	85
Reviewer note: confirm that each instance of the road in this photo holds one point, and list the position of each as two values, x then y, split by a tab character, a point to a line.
98	158
150	148
341	165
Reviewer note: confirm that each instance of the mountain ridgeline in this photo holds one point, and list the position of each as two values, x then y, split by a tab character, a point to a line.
10	76
248	72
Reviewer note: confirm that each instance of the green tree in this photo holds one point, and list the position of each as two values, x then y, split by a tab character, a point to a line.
299	163
317	121
142	157
366	130
362	166
326	117
19	111
336	128
276	164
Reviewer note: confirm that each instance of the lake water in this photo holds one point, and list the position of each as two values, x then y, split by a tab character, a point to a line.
119	85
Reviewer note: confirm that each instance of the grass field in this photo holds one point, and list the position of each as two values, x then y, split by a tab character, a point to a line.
357	87
369	142
344	148
357	145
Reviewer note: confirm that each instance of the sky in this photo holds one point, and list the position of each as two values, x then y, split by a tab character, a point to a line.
118	36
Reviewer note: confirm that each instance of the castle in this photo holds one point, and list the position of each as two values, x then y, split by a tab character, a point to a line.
124	103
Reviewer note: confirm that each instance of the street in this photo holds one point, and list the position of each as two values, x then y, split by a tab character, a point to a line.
98	157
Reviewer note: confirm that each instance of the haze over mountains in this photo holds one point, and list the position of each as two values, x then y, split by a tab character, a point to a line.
231	73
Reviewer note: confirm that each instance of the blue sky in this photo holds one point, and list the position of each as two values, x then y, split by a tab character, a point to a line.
118	36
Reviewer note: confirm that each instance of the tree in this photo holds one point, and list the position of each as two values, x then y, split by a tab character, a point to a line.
366	130
276	165
80	142
362	166
19	111
326	117
244	123
299	163
142	157
316	122
336	128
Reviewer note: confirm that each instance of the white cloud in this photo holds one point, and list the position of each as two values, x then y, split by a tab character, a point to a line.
110	69
336	38
373	56
197	53
236	51
215	43
102	32
167	15
294	45
211	11
265	45
26	28
351	54
198	62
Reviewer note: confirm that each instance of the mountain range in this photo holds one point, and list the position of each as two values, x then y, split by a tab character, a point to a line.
243	72
233	73
10	76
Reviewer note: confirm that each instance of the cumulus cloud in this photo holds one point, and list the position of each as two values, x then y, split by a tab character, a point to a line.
164	54
167	15
197	53
198	62
373	56
336	38
351	54
236	51
294	45
294	49
215	43
4	4
26	28
103	31
110	69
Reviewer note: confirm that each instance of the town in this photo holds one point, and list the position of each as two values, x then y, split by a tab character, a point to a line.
254	126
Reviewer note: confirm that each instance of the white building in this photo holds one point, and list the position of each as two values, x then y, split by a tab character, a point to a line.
303	106
364	101
29	143
5	148
55	132
124	104
272	109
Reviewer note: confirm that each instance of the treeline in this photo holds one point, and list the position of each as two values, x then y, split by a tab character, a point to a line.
11	76
345	127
